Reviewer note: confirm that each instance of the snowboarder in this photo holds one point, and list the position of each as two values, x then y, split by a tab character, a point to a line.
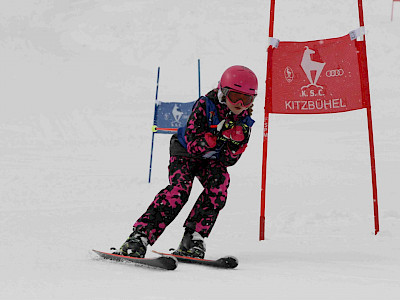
214	138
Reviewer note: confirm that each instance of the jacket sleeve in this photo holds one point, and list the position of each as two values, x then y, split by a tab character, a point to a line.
198	138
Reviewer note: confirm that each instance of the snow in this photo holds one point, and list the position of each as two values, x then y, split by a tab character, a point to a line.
77	86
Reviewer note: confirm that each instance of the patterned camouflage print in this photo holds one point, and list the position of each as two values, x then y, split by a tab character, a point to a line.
198	128
185	165
214	177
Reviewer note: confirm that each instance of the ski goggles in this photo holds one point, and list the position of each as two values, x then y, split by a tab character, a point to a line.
236	97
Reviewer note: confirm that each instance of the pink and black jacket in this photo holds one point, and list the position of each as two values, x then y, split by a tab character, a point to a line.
198	138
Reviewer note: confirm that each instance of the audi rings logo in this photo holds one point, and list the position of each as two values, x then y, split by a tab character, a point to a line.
334	73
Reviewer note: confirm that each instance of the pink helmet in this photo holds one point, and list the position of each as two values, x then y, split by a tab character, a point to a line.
240	79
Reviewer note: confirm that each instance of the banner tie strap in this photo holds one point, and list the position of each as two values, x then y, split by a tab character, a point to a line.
273	42
357	33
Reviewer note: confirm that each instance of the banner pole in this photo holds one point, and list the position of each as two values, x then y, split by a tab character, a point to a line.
264	177
198	71
154	124
373	170
268	94
271	18
391	18
369	117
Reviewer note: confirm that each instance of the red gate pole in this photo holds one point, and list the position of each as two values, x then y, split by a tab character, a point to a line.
268	94
393	1
373	171
369	117
391	19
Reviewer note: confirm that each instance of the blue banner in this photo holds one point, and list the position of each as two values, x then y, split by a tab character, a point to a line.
172	115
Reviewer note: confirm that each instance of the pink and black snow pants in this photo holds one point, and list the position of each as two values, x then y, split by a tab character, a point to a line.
214	177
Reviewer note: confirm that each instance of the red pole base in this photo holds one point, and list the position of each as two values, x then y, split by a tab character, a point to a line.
262	228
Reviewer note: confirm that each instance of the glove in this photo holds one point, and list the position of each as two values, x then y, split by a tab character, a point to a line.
224	129
239	133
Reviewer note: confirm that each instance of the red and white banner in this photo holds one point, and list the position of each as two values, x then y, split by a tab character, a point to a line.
316	77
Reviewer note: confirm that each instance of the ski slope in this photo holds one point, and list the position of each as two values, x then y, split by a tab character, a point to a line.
77	87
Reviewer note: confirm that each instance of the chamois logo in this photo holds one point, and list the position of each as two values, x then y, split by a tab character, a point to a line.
311	67
308	65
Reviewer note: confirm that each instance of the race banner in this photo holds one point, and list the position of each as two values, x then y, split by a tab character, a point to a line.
316	77
169	116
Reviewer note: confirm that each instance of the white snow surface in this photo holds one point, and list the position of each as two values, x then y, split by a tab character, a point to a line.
77	89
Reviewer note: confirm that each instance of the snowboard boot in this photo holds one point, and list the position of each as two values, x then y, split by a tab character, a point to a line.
135	245
192	245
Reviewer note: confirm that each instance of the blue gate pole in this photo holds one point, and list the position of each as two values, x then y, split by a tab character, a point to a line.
198	68
154	123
